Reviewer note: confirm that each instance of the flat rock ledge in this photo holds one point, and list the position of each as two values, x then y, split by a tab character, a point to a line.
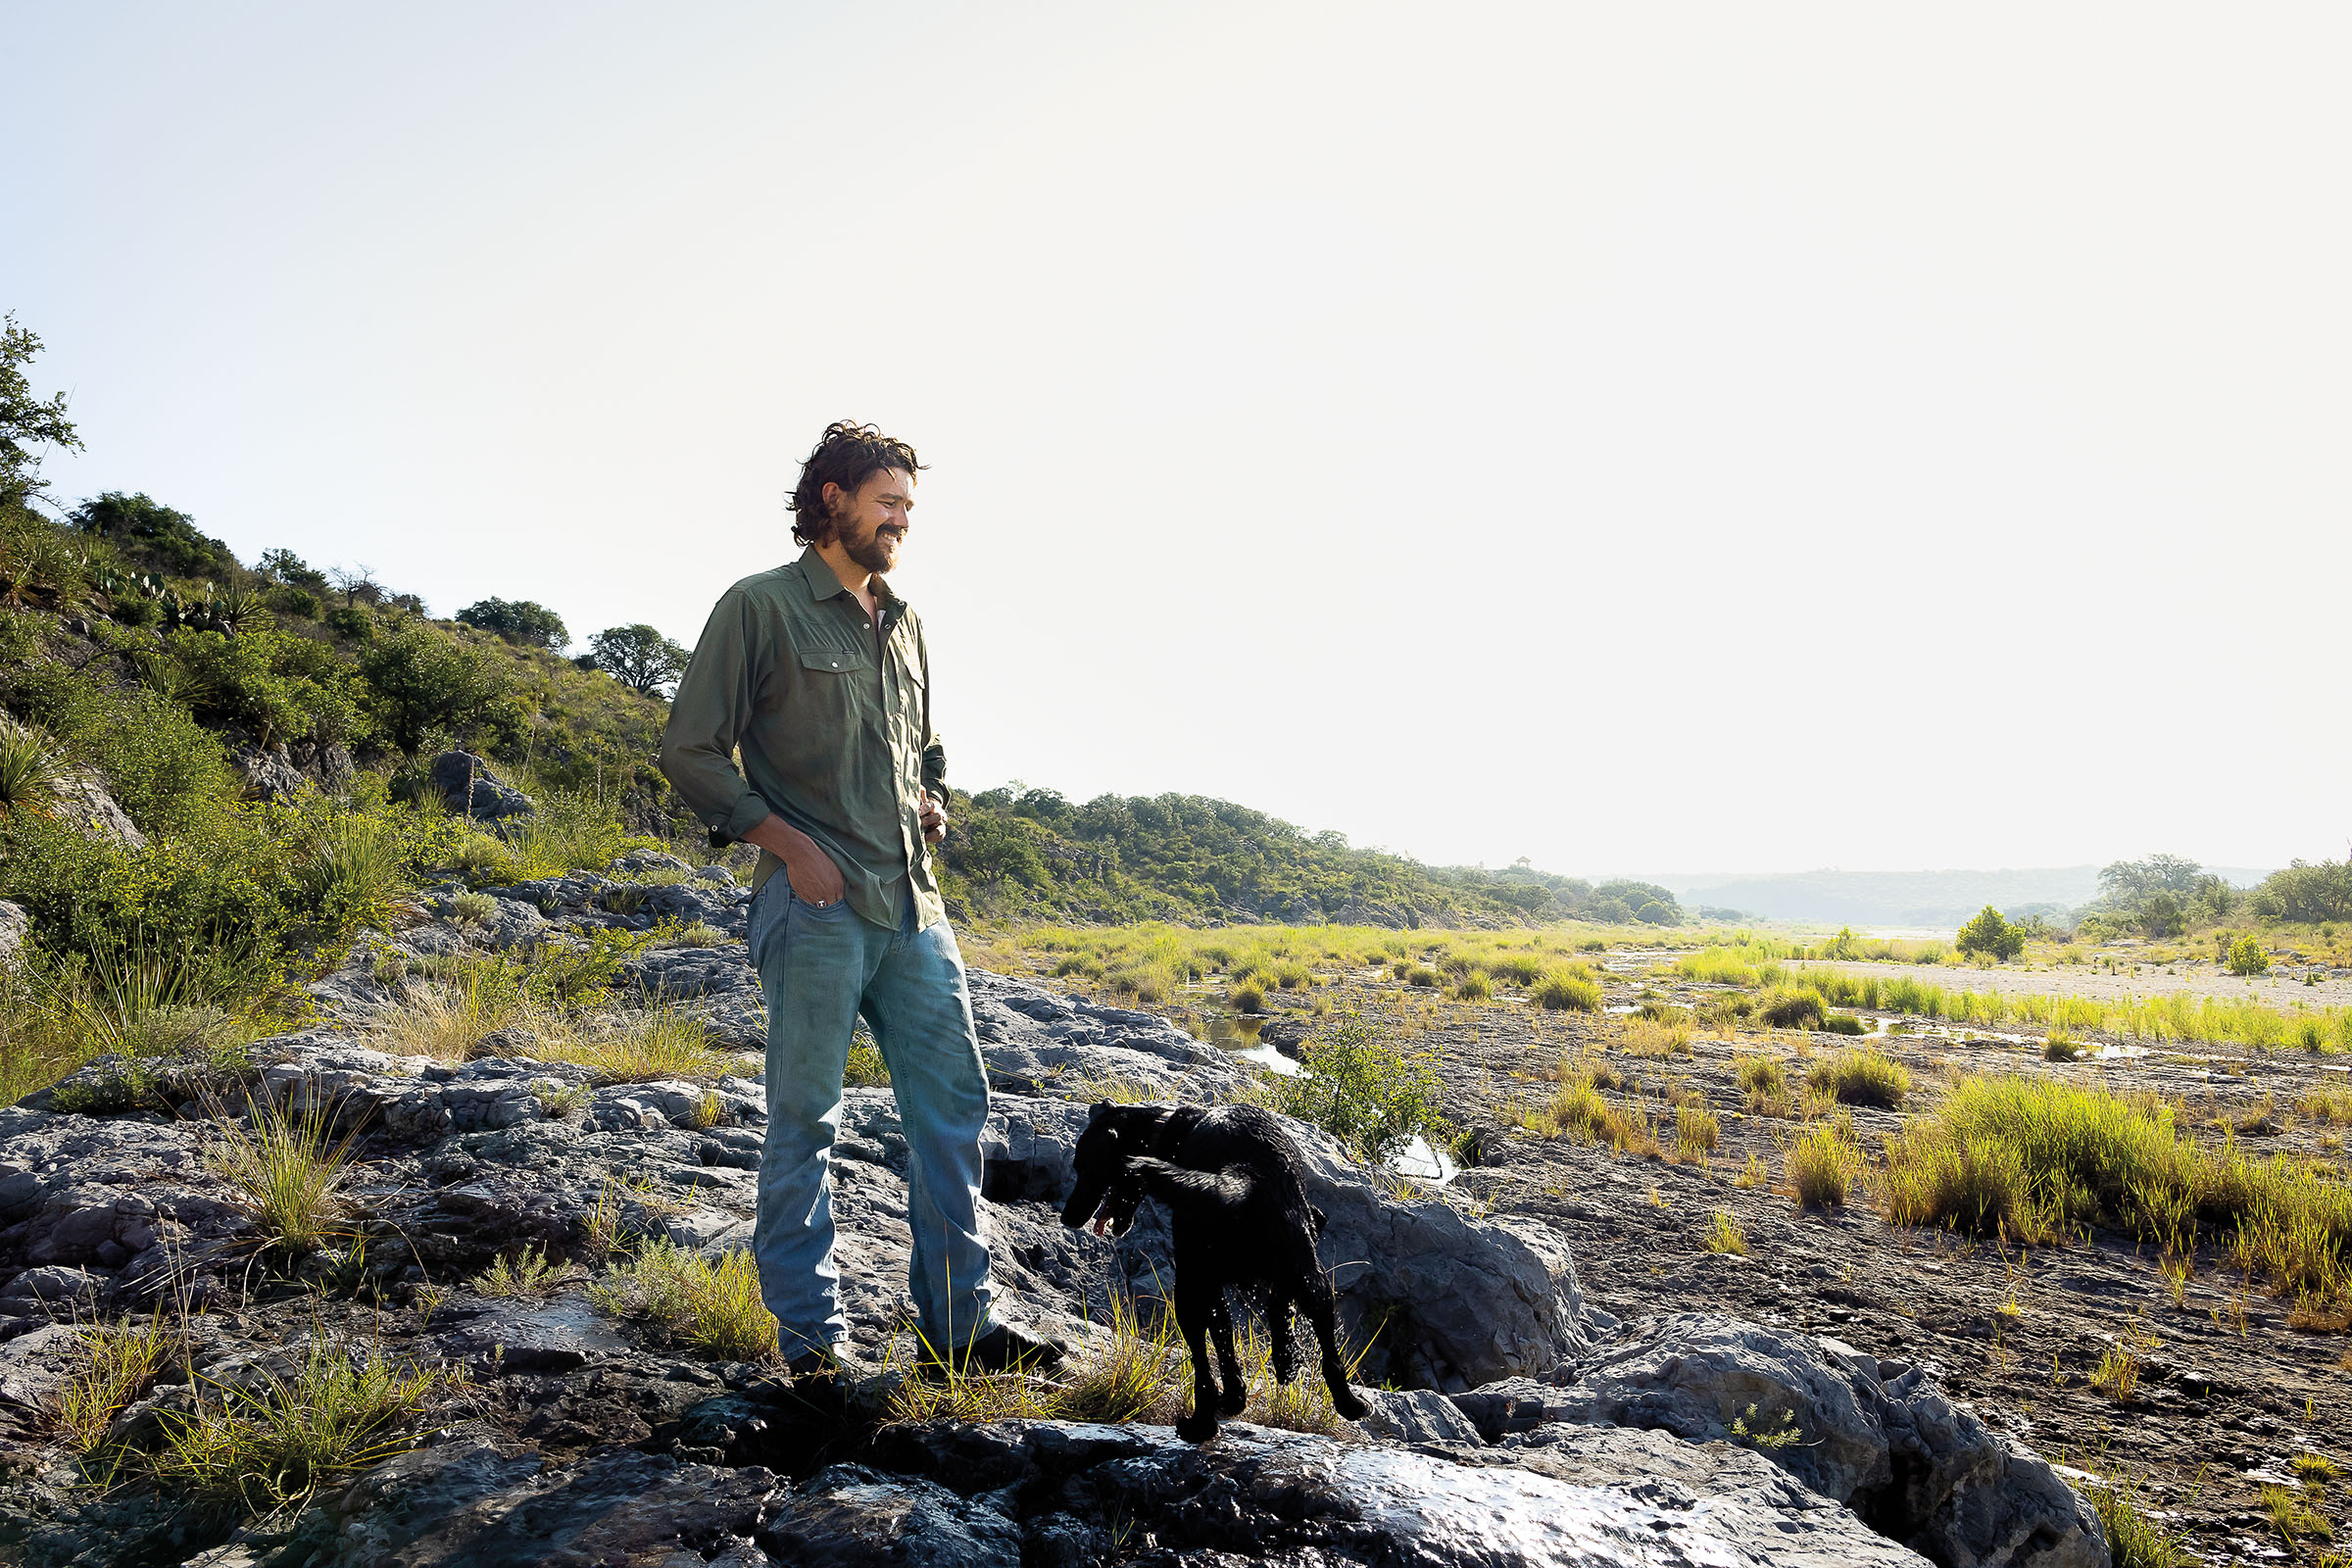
1518	1425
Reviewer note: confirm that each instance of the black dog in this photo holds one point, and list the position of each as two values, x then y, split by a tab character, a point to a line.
1231	1180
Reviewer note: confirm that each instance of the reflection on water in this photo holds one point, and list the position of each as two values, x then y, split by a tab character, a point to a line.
1241	1038
1419	1160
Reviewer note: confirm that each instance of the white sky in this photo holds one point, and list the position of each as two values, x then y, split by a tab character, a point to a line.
1637	437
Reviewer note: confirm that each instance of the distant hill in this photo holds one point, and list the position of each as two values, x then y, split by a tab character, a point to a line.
1930	898
1028	854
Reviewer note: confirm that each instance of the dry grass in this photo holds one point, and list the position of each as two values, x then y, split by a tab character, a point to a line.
1724	1235
268	1445
2030	1160
286	1172
120	1365
1696	1133
1656	1038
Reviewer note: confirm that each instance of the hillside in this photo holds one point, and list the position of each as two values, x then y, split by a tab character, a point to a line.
1028	853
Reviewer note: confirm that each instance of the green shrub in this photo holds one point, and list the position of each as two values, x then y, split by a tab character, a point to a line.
1363	1091
277	686
1991	936
1843	1023
1248	997
2246	956
1473	988
421	678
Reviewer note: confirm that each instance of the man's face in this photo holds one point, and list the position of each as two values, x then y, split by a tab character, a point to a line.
872	523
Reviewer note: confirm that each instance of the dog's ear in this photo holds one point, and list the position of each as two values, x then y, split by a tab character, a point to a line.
1101	1111
1318	1218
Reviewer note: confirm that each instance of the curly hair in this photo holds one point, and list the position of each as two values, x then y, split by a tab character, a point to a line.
847	455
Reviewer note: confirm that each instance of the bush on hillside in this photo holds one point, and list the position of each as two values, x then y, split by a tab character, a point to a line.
421	680
156	537
2246	956
275	686
518	620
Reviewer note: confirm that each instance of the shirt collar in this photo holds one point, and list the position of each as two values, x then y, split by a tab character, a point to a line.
824	584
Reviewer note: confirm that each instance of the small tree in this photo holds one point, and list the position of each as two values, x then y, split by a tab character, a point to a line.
421	679
2247	958
1991	936
639	657
26	424
518	620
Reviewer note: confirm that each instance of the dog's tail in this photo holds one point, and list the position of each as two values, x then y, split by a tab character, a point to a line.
1175	1185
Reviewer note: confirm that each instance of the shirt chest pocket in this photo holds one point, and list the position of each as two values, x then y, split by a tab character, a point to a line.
819	663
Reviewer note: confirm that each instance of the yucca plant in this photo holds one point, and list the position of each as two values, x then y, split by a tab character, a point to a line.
33	779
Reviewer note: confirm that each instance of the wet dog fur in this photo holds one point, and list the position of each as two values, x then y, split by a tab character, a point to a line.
1232	1182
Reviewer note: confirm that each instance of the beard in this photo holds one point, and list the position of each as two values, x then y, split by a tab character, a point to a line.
876	552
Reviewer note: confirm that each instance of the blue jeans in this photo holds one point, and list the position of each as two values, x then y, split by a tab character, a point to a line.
821	969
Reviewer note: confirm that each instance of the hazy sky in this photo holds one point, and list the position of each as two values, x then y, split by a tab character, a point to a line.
1635	437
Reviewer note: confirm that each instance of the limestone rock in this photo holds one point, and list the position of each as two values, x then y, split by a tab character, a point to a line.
1909	1461
270	773
469	786
1630	1497
16	929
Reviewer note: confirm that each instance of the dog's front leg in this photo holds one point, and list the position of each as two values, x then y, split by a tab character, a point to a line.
1319	1312
1195	1306
1220	1327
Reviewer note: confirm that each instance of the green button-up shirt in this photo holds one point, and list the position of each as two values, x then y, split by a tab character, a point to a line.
832	716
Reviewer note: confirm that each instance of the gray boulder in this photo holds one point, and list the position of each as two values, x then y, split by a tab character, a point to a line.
469	786
16	929
1078	1491
1913	1465
270	773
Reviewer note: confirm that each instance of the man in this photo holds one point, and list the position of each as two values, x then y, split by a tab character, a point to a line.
817	672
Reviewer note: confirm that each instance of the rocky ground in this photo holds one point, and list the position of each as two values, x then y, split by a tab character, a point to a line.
1563	1376
2229	1393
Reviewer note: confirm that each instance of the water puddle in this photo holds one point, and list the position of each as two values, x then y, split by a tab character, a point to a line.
1420	1161
1240	1039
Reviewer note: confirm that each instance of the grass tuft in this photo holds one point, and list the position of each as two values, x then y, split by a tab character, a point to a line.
268	1446
1861	1078
286	1174
1822	1166
1724	1235
712	1307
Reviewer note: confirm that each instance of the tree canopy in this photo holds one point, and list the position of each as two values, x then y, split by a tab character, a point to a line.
638	656
520	621
26	424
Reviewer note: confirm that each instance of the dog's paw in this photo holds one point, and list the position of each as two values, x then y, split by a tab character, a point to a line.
1351	1408
1233	1401
1197	1427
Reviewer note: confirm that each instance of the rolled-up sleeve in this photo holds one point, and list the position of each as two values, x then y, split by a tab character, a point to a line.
709	715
